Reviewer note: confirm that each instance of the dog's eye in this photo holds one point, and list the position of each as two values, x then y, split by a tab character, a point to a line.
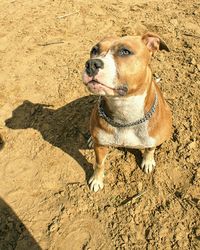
94	51
124	52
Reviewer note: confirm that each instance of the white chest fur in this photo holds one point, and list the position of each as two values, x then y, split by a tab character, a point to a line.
126	110
133	137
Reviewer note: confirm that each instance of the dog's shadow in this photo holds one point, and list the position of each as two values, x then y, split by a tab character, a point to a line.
66	128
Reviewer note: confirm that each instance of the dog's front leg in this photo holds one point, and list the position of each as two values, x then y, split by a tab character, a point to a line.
148	162
96	181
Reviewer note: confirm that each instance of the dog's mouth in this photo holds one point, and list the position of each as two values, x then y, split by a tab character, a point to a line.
94	84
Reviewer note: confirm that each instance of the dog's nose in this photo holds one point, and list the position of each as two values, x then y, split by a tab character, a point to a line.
92	66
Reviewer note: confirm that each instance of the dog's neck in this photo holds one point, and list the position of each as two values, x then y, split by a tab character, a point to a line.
133	107
125	109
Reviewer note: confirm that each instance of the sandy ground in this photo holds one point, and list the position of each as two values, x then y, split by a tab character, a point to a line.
45	163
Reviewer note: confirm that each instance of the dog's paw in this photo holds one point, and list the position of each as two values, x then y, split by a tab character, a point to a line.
90	142
148	165
96	183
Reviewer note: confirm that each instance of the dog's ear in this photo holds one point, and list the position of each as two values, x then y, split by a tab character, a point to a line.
154	42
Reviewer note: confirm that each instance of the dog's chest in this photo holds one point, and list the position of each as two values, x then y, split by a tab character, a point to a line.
133	137
126	110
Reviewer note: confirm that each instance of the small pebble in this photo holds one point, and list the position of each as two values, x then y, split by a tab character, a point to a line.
193	61
192	145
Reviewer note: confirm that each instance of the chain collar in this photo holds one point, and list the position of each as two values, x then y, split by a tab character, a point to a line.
146	117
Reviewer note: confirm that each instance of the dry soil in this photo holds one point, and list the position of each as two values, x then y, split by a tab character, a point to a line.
45	163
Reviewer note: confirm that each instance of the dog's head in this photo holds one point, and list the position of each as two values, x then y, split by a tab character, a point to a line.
118	66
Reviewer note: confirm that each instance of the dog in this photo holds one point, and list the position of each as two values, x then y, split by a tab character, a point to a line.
131	111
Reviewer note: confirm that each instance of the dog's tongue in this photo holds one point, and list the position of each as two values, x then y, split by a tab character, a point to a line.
122	90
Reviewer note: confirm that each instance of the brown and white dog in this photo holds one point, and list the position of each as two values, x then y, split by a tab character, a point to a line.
131	111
